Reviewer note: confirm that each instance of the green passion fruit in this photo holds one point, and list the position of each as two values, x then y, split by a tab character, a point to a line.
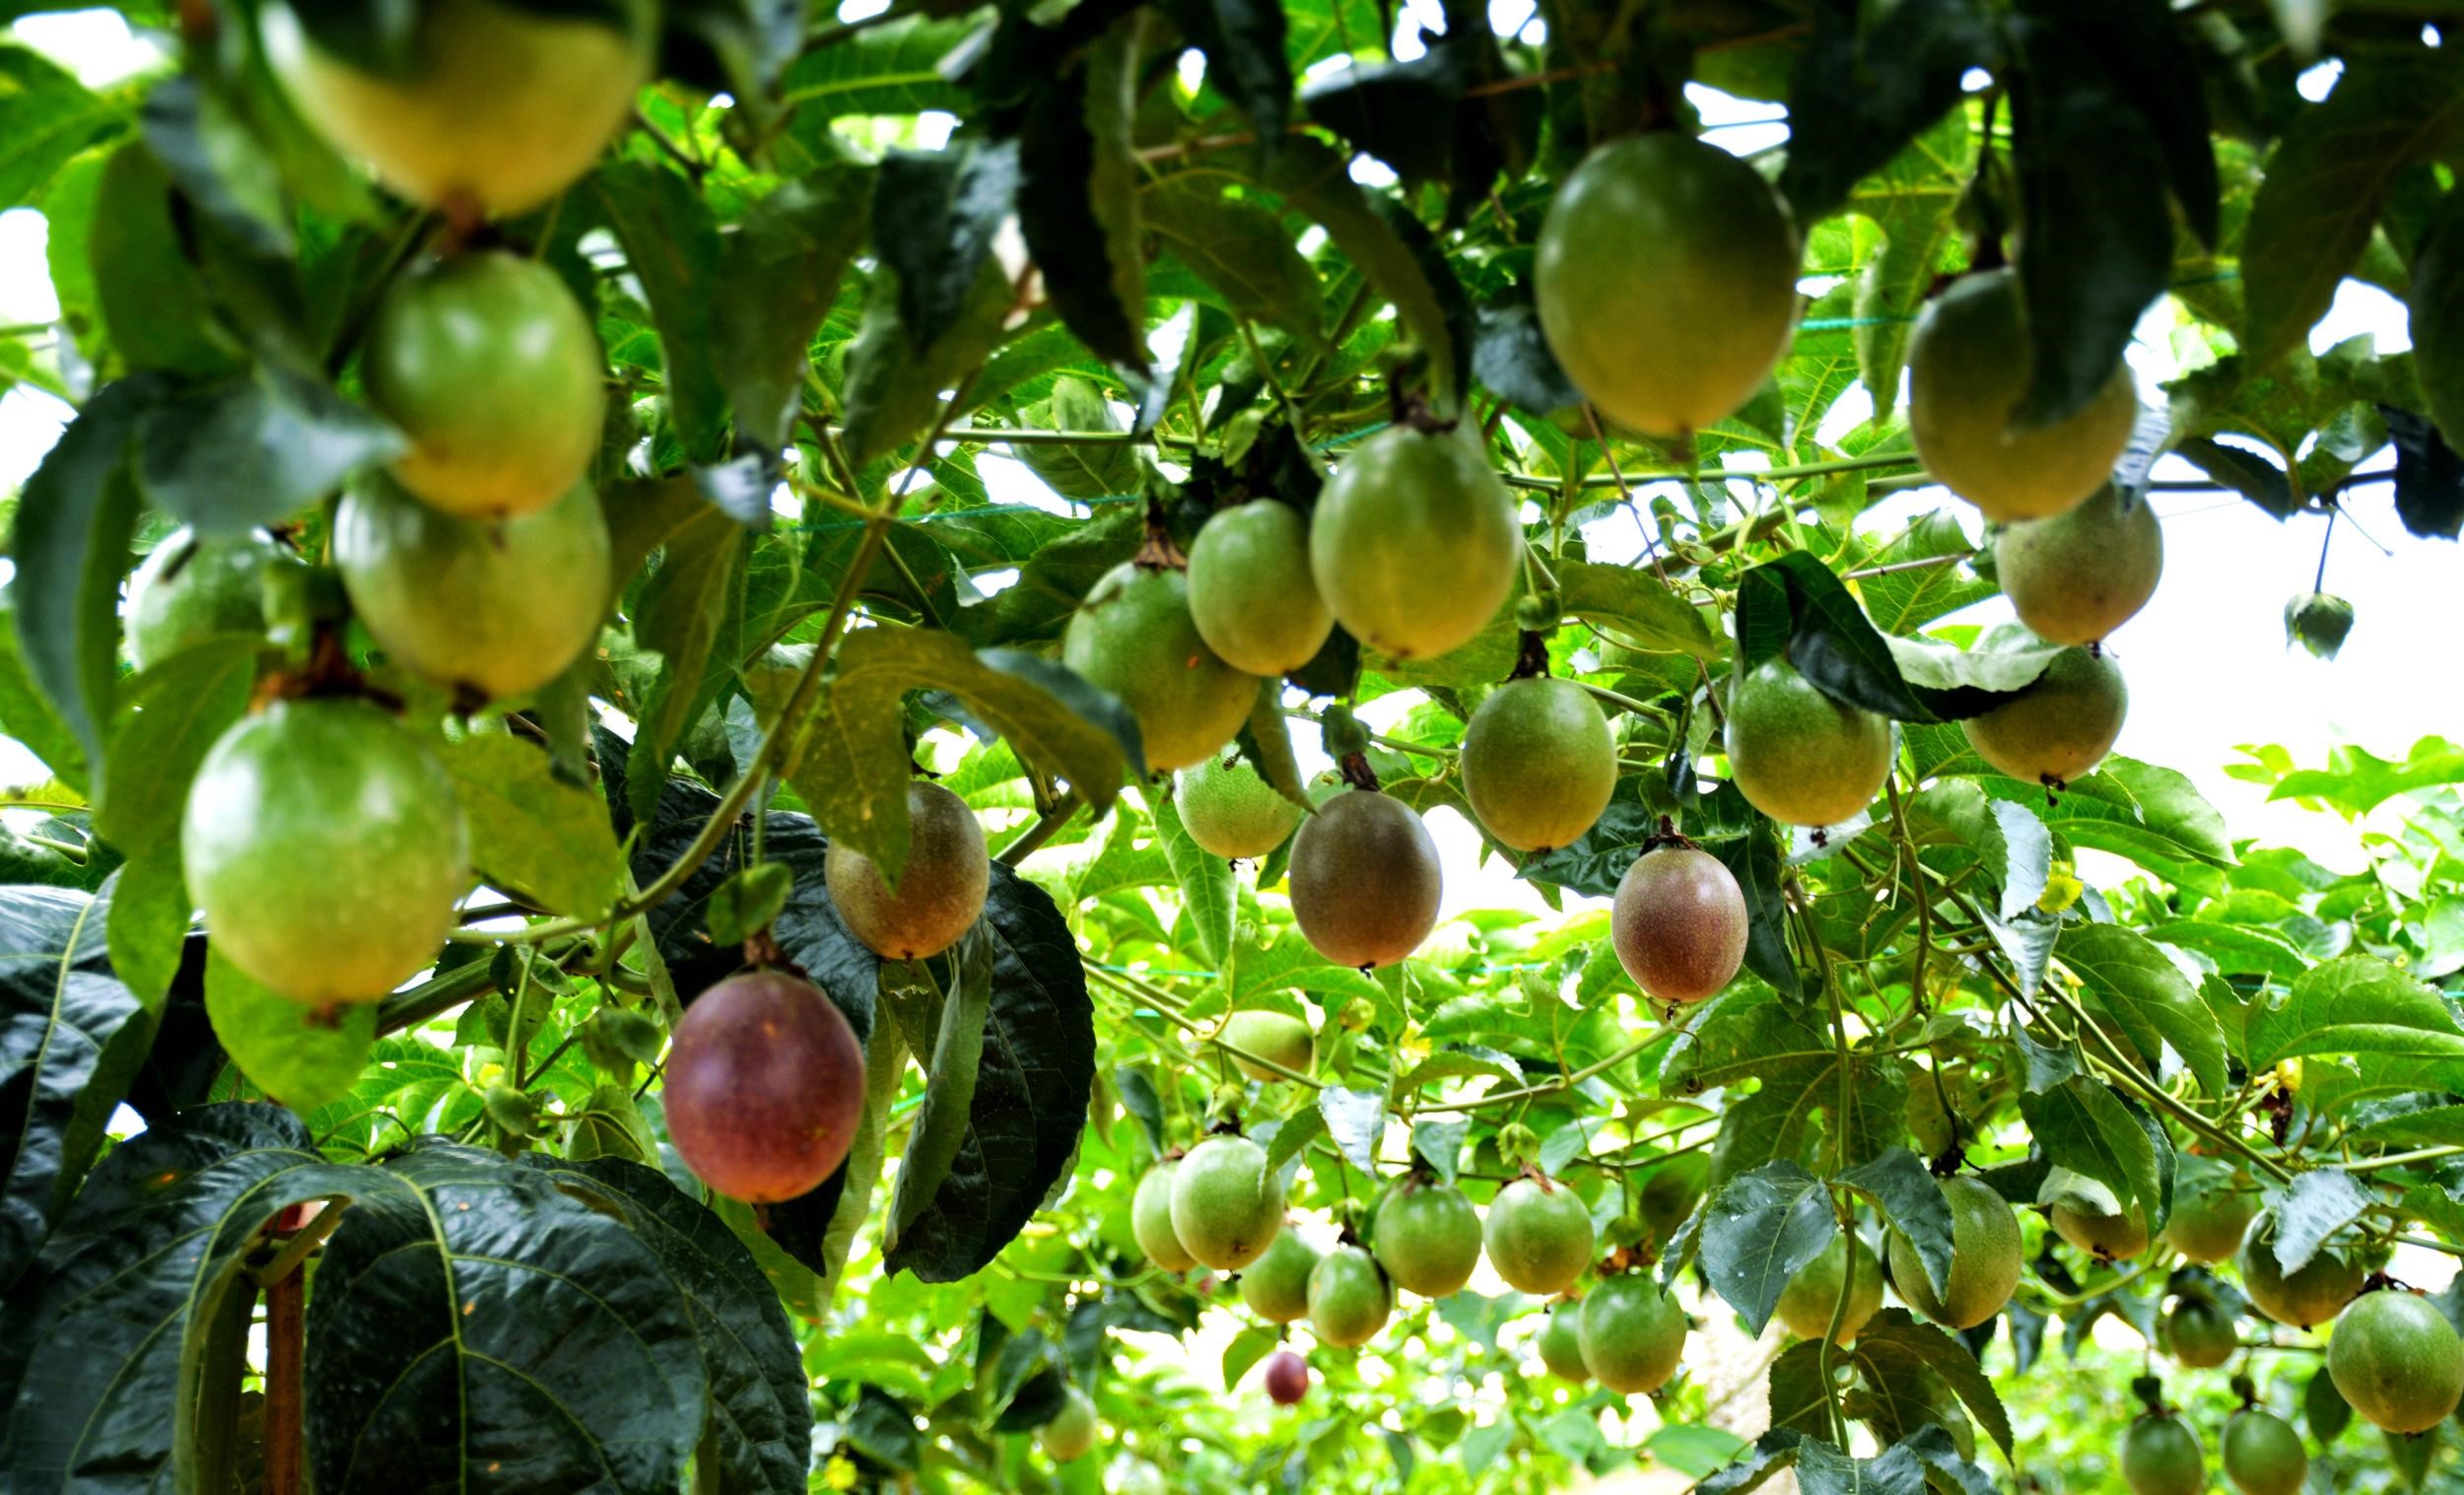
2060	727
1984	1259
1797	755
1427	1238
495	374
1414	541
2301	1299
1364	880
2080	575
1349	1298
2208	1226
488	608
1276	1285
192	589
941	891
326	848
1678	923
1277	1035
2161	1456
1133	637
495	104
1633	1334
1539	762
1967	371
764	1087
1231	812
1537	1236
1561	1343
1072	1431
1228	1203
1251	591
1811	1296
2398	1360
1666	279
1672	1191
2200	1333
2108	1238
1150	1219
2263	1455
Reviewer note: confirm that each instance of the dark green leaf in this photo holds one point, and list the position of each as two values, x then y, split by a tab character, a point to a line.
1876	86
1079	199
685	613
2314	1207
1237	248
2245	472
779	278
933	217
2083	1127
2318	622
1393	250
1761	1230
2436	305
1908	1198
47	116
673	246
254	448
947	1023
1243	42
1210	895
895	379
1892	1337
2136	985
2429	477
1755	860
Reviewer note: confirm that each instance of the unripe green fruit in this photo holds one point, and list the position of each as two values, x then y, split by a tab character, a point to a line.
1133	637
941	891
1538	1236
1798	756
1231	812
498	105
2108	1238
1414	541
1364	880
1427	1237
2263	1455
2080	575
1150	1219
1984	1259
1967	370
326	848
2200	1334
1678	923
1251	591
1349	1298
1561	1343
1931	1125
2060	727
2161	1456
1072	1431
1276	1285
192	589
1277	1035
1811	1296
2208	1226
1633	1334
1666	279
2398	1360
2297	1300
1228	1203
491	608
1539	763
496	375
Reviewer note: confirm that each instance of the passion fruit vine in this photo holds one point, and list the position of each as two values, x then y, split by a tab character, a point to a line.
764	1087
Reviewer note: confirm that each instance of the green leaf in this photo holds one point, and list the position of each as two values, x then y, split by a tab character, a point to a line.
1876	84
252	448
1247	1349
1908	1198
299	1055
530	832
1356	1121
1891	1339
1912	203
934	214
1900	602
2132	982
1796	606
2357	1004
684	613
1078	198
2359	782
47	117
2431	1126
2314	1207
2243	472
889	69
895	379
1440	1144
2236	949
29	718
2436	304
1209	892
672	246
148	926
2428	481
1759	1230
746	903
1100	470
1393	251
1237	248
1634	608
167	719
947	1020
2083	1127
1245	44
778	276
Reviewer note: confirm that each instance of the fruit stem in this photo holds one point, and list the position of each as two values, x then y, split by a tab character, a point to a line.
1357	773
1531	661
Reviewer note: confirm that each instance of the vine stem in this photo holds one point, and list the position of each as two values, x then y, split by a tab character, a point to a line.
2400	1159
286	1357
1198	1031
1045	827
1530	1092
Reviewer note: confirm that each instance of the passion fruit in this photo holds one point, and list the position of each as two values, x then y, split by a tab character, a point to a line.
1539	762
1678	923
1072	1431
2108	1238
494	104
2200	1333
764	1087
1364	880
1276	1285
1633	1334
495	374
1277	1035
2207	1226
192	589
2161	1456
1228	1203
1150	1219
1415	541
1672	1192
2060	727
1665	278
1967	370
1349	1298
1561	1343
941	891
1287	1378
1427	1237
1537	1236
2080	575
2398	1360
1797	755
1984	1259
1231	812
1811	1296
2302	1299
1252	595
1133	637
2263	1455
326	848
491	609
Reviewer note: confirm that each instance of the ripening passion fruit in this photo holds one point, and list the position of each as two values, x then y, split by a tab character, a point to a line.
1277	1035
1811	1296
1364	880
1133	637
1967	371
2398	1360
764	1087
1349	1298
1561	1343
2080	575
1231	812
2108	1238
496	104
495	374
1678	923
326	848
489	608
1072	1431
192	589
1984	1259
1666	279
1287	1378
1537	1236
2207	1226
1539	762
941	891
1797	755
1632	1332
1150	1219
2161	1456
1251	591
2200	1333
1414	542
2263	1455
1276	1285
1228	1203
1427	1238
2060	727
2301	1299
